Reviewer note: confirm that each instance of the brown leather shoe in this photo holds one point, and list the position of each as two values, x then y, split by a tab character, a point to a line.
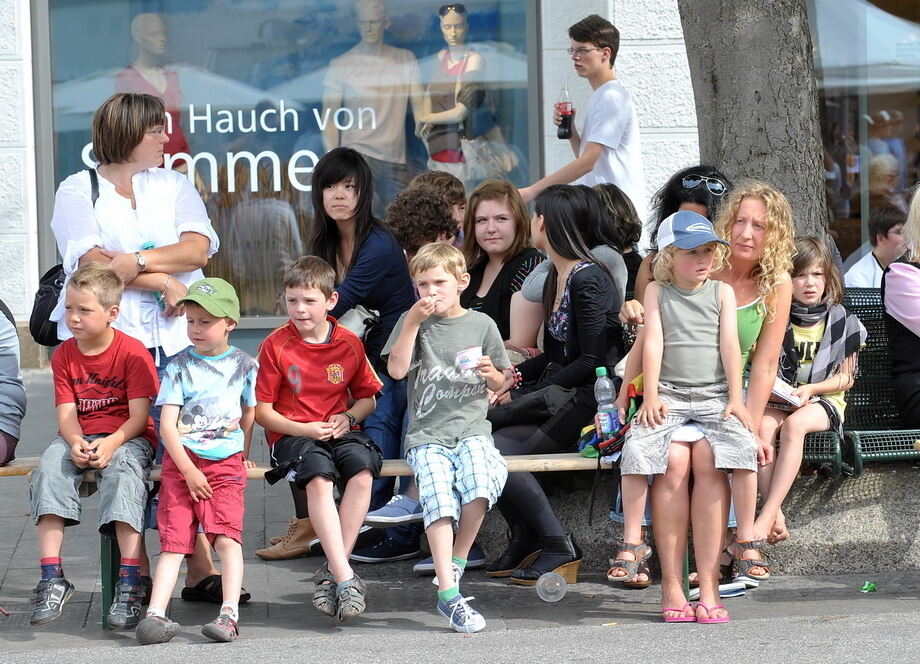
277	538
295	543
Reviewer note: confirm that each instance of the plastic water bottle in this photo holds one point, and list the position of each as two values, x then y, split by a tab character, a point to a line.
156	295
607	414
551	587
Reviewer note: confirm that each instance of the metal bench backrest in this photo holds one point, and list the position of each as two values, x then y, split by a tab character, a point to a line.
870	402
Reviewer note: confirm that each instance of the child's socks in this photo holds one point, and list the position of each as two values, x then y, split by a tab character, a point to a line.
130	571
449	594
460	562
51	568
232	610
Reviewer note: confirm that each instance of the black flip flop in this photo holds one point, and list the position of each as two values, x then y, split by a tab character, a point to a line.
209	590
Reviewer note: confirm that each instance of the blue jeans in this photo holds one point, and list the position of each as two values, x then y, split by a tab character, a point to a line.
384	426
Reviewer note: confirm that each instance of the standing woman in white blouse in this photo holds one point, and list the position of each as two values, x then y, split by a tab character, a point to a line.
149	225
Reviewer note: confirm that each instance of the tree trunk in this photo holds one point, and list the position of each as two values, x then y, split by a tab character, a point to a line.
757	99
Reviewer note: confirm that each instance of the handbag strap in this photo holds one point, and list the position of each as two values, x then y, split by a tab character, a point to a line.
93	186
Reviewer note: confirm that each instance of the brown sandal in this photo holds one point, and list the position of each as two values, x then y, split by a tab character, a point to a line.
633	568
742	565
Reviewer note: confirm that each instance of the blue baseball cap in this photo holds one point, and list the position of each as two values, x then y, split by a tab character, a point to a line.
686	230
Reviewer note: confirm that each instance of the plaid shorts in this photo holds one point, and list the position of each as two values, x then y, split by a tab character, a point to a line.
646	449
450	477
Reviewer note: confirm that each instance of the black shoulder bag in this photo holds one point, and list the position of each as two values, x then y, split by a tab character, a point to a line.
41	327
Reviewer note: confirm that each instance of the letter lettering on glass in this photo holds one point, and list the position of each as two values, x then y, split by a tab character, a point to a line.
338	123
193	119
364	110
233	157
170	159
322	122
294	170
285	112
224	124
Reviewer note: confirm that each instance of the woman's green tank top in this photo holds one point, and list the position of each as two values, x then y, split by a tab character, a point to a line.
750	321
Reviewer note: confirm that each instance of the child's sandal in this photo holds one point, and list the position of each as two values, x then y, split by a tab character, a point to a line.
744	566
633	568
352	598
326	592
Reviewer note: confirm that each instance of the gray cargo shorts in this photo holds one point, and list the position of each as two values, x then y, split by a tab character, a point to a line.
122	485
645	451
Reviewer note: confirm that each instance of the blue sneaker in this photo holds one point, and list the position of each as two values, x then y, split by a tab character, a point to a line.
400	509
385	551
476	560
463	617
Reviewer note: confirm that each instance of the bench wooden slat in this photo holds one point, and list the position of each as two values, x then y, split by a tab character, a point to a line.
534	463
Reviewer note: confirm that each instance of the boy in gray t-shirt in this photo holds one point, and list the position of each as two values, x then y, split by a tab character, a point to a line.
448	353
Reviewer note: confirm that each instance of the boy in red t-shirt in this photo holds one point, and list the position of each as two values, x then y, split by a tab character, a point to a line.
309	369
103	383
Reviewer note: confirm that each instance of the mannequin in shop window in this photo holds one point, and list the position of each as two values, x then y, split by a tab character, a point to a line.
457	106
148	75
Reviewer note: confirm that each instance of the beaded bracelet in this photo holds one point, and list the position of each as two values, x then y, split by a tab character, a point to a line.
518	378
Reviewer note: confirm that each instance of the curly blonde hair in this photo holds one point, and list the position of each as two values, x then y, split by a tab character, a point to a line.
779	237
663	263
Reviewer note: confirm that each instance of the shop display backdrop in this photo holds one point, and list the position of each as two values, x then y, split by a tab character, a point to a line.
256	91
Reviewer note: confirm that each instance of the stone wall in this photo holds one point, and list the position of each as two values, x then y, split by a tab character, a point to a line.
838	526
18	238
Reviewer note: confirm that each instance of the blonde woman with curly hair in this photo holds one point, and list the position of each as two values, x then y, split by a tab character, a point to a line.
756	221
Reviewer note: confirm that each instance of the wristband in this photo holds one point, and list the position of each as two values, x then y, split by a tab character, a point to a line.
518	378
352	420
166	287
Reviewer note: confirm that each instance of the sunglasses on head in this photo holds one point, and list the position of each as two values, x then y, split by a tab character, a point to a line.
716	187
459	8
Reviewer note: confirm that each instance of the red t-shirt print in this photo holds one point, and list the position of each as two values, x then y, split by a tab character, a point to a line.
101	385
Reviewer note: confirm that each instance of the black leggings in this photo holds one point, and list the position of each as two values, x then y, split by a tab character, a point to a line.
523	503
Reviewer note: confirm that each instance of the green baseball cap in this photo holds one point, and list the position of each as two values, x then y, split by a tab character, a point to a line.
217	297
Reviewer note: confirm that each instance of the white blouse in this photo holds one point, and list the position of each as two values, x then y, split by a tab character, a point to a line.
167	206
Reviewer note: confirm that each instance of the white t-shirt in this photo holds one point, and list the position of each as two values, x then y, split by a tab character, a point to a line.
865	273
167	206
379	82
611	121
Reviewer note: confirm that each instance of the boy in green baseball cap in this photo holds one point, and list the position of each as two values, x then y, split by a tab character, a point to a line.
208	400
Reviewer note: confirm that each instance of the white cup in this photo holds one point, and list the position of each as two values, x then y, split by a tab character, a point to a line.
468	359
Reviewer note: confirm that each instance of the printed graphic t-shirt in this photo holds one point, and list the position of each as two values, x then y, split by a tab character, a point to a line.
447	404
312	382
807	340
101	385
210	391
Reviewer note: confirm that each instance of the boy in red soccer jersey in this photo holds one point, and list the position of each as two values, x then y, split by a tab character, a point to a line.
308	370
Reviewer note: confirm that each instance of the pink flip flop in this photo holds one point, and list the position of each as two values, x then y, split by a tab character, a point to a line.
678	619
709	609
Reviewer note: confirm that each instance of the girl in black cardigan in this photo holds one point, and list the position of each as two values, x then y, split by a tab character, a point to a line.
496	244
581	333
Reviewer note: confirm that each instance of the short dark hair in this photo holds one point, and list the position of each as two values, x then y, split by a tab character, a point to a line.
882	220
310	272
419	215
119	125
449	186
598	31
625	227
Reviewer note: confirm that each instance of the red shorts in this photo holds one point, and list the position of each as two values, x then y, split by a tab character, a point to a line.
179	518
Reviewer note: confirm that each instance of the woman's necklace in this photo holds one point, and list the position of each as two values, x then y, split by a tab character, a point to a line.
560	285
126	194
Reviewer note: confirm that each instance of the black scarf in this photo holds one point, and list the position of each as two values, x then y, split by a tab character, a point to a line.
843	336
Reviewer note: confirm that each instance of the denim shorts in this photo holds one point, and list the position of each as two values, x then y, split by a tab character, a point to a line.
122	485
733	446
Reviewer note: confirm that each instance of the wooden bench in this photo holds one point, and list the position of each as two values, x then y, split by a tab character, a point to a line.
109	555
